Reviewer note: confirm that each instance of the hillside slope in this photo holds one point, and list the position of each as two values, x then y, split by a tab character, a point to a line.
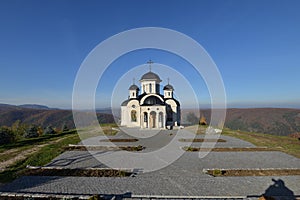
276	121
43	117
265	120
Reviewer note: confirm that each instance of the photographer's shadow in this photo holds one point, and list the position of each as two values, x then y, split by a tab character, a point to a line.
278	191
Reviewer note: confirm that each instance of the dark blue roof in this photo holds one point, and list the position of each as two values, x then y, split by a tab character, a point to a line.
133	87
151	76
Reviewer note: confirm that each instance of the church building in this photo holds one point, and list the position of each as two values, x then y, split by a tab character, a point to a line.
150	109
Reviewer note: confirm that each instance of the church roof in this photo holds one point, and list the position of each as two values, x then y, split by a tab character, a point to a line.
151	76
139	97
124	103
168	87
133	87
177	102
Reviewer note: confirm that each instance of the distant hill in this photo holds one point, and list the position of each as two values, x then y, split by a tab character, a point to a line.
276	121
42	116
34	106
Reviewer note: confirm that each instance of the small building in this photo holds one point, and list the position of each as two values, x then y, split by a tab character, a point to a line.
150	109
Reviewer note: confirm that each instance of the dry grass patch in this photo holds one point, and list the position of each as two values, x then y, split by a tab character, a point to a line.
283	143
253	172
103	148
77	172
201	140
120	140
230	149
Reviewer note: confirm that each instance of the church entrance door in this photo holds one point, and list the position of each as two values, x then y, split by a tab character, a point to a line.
152	119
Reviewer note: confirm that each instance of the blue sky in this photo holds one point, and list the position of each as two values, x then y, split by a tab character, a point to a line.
254	43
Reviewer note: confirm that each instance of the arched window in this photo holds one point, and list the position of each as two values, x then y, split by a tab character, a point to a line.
161	115
161	119
133	116
153	100
150	88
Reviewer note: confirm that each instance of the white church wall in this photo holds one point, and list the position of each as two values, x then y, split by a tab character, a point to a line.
168	94
146	87
173	105
153	109
124	116
133	106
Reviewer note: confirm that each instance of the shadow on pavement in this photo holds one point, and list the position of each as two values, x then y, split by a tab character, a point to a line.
278	190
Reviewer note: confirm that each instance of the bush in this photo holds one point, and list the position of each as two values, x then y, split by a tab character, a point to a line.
49	130
6	135
19	129
203	121
31	132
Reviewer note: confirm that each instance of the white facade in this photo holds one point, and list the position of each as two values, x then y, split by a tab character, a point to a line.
150	109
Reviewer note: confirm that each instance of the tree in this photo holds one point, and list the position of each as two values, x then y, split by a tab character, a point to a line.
19	128
192	118
64	127
202	120
6	135
49	130
31	132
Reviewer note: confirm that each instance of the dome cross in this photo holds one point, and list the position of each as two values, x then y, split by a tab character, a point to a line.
150	62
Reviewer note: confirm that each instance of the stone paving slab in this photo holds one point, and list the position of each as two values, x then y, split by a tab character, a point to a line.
161	138
193	186
184	177
230	142
76	159
190	161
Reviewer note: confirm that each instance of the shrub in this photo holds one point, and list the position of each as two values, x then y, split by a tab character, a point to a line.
217	172
31	132
6	135
202	120
19	129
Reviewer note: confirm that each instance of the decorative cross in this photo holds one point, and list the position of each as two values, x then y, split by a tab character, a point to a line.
150	62
168	81
133	81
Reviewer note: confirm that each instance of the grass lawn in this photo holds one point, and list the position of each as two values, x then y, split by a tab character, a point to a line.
93	131
41	150
45	150
285	144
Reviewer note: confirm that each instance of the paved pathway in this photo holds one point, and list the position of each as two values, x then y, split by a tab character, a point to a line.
184	177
